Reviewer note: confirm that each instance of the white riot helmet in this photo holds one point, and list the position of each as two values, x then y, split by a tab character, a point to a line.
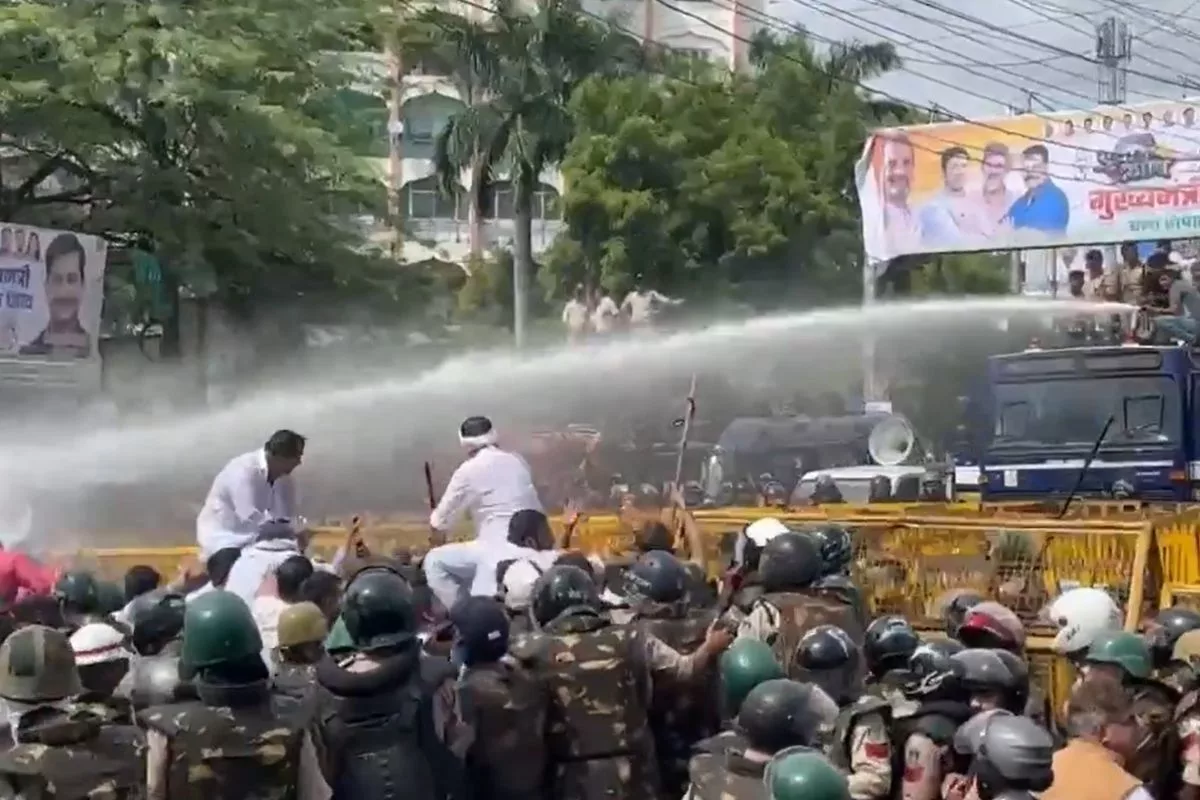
98	643
517	585
1081	615
757	533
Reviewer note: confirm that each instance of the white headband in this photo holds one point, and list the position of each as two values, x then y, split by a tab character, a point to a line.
482	440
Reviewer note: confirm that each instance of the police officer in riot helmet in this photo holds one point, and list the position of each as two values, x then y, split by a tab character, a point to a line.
887	647
942	705
805	776
861	743
78	594
656	587
837	554
375	710
1012	757
502	703
55	750
604	745
301	635
993	681
777	715
790	606
825	491
1166	628
154	676
238	740
743	583
955	604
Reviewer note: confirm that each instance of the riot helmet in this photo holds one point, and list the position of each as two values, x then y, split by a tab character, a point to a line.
954	605
778	714
933	672
218	629
37	665
836	548
1081	615
990	624
1166	628
562	588
747	550
830	659
656	576
378	610
78	592
790	561
825	491
156	620
1125	653
111	597
990	680
805	776
1012	753
889	643
301	624
747	663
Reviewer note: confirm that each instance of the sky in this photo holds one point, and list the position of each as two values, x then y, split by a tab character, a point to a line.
974	57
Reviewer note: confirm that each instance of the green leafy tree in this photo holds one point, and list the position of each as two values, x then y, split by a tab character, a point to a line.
742	181
202	134
527	65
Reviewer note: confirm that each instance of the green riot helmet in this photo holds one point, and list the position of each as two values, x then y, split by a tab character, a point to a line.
37	665
746	664
790	561
378	610
78	592
111	597
657	576
1125	650
779	713
561	588
218	628
338	642
805	776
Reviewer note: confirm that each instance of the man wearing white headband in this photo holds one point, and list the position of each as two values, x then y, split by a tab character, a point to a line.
491	485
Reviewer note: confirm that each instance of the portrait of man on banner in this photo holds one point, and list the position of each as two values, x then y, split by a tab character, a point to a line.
66	285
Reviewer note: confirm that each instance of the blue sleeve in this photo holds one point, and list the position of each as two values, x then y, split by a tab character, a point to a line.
1061	217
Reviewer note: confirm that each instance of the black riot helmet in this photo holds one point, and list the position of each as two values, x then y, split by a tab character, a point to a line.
657	576
561	588
378	610
888	644
934	672
1011	754
779	713
789	561
825	490
984	672
830	659
78	592
836	548
1168	625
955	606
156	622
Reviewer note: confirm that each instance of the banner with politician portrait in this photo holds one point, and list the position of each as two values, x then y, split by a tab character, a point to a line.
51	292
1038	180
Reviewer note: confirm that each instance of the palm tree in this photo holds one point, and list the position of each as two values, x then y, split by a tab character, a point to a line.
527	64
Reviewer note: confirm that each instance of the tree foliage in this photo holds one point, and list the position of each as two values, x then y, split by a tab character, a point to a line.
711	181
205	134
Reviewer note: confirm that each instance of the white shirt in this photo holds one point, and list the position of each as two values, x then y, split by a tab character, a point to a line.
266	611
257	562
575	316
491	486
641	305
606	311
485	585
239	501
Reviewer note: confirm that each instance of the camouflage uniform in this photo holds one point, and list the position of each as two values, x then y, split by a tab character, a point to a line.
295	680
862	748
110	710
59	751
680	715
599	735
507	710
782	618
732	775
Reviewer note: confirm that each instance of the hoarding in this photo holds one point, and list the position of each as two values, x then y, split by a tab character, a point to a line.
1102	176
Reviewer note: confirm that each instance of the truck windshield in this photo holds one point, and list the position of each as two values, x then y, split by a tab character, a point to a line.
1073	410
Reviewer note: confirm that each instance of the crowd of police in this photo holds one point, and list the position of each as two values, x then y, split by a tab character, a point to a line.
644	682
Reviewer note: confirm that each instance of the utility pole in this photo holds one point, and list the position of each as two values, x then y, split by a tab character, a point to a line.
396	204
1191	86
1114	50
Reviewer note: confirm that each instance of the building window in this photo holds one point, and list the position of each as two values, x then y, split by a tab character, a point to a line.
424	200
500	203
694	53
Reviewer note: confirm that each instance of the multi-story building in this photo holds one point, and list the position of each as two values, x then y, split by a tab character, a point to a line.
407	126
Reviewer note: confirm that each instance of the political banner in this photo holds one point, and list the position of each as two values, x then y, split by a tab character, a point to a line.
51	293
1103	176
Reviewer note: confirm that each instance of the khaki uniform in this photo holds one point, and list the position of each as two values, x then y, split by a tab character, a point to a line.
782	618
924	768
1132	290
1187	723
862	747
732	775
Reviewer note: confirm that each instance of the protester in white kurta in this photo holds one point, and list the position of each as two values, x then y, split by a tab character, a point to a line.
490	486
252	489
